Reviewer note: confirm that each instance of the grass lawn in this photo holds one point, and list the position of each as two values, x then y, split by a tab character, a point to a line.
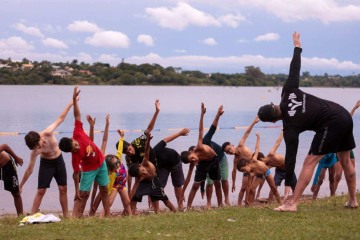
322	219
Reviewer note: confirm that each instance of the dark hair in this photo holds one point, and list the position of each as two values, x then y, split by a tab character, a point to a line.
267	113
125	146
191	148
225	144
134	170
184	156
109	164
260	156
32	139
65	144
242	163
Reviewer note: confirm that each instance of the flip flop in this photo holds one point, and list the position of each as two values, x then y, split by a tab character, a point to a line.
348	205
282	208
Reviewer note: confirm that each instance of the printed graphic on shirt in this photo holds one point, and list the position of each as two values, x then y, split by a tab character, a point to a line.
90	151
293	104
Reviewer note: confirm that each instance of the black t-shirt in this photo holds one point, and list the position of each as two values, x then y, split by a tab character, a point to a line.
166	157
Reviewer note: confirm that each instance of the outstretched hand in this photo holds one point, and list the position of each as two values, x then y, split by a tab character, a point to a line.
203	108
121	133
90	120
19	161
296	38
157	105
108	119
76	93
184	131
220	110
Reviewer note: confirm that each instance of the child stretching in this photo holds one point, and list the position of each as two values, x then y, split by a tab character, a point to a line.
258	169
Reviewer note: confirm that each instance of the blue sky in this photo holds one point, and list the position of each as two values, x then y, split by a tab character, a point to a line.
207	35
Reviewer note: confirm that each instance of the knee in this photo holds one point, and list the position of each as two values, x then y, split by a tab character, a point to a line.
84	195
63	189
195	186
41	191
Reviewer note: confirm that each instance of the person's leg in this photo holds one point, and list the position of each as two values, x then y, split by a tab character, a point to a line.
178	191
218	192
112	196
273	188
125	201
105	199
95	205
209	192
18	203
338	170
63	200
316	188
225	188
349	172
252	189
244	185
192	194
305	177
37	200
169	204
259	189
84	197
224	173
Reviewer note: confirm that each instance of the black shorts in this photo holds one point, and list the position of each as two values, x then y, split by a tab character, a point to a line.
50	169
211	168
9	175
280	175
336	135
177	175
151	188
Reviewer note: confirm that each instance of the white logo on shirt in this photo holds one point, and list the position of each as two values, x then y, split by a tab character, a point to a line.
293	104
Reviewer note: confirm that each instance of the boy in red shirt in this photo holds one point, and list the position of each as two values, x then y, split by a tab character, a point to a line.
87	155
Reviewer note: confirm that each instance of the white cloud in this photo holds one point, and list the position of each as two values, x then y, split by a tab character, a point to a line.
183	15
267	37
109	58
83	26
210	41
109	39
15	44
29	30
146	39
55	43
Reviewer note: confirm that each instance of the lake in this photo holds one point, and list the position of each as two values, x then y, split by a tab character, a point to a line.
26	108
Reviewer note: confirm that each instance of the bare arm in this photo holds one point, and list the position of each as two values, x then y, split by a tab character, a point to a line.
182	132
77	114
51	128
248	130
121	144
29	169
133	190
354	108
91	122
257	146
201	126
7	148
218	115
76	184
188	177
106	134
153	120
277	143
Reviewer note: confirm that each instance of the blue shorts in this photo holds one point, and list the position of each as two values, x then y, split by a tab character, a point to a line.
99	175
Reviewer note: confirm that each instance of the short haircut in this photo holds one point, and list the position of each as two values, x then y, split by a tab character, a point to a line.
191	148
260	155
65	144
225	144
184	156
134	170
32	139
125	146
242	163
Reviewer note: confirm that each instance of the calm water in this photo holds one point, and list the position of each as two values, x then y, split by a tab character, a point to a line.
26	108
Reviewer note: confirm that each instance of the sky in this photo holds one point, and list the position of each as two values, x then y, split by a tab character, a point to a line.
211	36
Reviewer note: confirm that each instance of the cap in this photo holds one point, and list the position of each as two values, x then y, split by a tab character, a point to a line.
267	113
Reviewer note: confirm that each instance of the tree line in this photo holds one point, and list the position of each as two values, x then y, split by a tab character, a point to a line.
72	73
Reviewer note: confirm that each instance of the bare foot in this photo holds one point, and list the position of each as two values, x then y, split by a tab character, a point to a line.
286	208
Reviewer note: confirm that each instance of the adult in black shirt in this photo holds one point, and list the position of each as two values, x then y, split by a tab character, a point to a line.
300	112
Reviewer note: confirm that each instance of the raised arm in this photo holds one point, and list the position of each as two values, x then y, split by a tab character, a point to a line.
277	143
153	120
182	132
293	80
77	114
106	134
201	126
355	107
91	122
257	146
121	144
7	148
218	115
248	130
51	128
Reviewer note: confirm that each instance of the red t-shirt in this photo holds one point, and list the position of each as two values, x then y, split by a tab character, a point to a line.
89	155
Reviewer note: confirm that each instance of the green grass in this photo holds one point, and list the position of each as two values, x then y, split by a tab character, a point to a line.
321	219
